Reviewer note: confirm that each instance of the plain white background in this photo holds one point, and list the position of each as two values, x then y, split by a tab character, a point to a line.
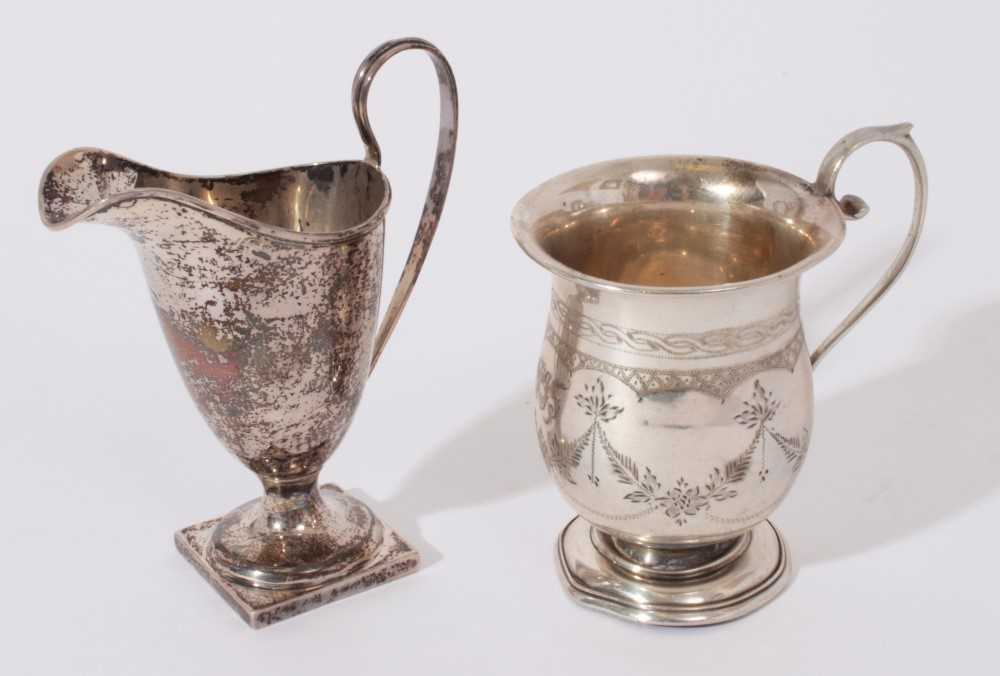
892	523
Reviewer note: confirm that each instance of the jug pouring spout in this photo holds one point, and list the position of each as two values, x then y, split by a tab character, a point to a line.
312	204
83	182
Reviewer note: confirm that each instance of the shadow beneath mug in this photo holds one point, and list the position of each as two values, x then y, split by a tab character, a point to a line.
495	457
897	454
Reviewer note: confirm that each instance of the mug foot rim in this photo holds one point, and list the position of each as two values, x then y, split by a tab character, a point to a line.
756	578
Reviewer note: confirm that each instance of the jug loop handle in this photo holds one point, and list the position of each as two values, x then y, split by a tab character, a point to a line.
440	177
853	208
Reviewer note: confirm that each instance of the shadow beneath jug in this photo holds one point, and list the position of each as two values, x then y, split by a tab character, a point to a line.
494	457
895	455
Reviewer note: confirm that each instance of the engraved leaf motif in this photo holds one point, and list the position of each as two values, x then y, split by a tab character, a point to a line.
575	454
563	455
596	402
649	482
720	482
623	467
794	448
759	409
627	472
737	469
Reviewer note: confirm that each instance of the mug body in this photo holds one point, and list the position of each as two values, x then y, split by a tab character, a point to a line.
674	419
674	398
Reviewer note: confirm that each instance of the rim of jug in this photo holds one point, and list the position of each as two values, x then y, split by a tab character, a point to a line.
237	220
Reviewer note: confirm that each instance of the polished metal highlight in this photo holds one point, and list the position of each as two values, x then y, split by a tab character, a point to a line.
267	288
674	397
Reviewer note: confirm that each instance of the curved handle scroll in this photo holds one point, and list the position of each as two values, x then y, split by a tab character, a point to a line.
853	207
440	177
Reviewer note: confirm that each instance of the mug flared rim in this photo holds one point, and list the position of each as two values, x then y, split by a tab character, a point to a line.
524	222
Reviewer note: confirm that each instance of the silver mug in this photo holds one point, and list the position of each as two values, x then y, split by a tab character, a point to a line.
674	399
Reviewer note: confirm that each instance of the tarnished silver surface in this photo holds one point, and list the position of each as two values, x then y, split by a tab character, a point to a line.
444	160
267	288
674	390
392	558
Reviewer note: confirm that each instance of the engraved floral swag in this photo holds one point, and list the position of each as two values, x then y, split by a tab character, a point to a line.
758	415
682	500
596	403
547	393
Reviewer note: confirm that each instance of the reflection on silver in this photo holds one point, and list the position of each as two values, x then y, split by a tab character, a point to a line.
674	398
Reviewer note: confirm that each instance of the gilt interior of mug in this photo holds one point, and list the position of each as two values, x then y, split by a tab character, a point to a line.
661	224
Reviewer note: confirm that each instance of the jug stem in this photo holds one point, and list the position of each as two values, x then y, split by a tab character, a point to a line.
289	503
854	207
283	488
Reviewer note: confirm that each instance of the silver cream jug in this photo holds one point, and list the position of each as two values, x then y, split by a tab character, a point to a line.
267	288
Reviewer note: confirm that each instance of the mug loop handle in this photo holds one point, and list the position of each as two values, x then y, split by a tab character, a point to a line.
440	177
853	207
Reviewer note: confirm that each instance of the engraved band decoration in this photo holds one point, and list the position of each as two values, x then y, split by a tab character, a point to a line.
674	392
717	343
719	382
